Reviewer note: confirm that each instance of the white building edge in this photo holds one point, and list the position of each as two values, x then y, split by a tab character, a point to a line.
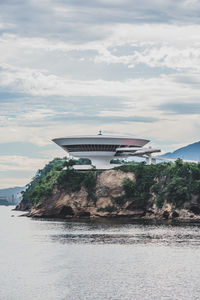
101	149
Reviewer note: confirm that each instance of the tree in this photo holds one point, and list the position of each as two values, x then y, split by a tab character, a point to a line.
129	187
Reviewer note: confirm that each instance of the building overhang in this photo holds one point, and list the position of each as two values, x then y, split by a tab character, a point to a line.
102	149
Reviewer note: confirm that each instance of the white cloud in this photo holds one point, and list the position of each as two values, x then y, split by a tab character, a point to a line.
173	46
20	163
157	56
142	97
38	114
143	53
7	182
42	84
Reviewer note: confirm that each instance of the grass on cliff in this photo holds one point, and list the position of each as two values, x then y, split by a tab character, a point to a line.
138	191
60	173
172	182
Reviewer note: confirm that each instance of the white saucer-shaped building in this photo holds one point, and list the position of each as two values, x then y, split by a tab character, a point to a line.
101	149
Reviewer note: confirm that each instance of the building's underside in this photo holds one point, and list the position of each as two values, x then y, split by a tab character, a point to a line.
102	149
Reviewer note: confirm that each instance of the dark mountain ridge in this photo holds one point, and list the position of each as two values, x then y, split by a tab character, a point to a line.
12	195
190	152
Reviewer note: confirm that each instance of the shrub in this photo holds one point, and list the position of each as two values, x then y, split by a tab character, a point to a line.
70	179
159	201
172	182
155	188
177	191
195	187
129	187
119	200
89	181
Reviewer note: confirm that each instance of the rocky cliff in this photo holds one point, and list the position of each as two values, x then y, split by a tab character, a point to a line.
117	193
108	192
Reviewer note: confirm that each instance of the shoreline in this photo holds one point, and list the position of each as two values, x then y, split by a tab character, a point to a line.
114	219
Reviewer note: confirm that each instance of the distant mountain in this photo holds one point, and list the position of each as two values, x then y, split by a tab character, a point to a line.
3	201
11	195
190	152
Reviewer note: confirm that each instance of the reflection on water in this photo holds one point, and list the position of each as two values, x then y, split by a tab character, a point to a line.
130	234
51	259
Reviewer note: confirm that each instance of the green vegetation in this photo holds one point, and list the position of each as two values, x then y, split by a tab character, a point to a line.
129	187
138	191
42	184
172	182
119	200
60	173
177	183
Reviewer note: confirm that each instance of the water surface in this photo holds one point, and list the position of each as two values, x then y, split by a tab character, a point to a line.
51	259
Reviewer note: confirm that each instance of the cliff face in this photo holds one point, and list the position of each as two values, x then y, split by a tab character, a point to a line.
65	203
23	205
110	200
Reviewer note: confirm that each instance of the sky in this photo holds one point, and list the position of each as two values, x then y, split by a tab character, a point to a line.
74	67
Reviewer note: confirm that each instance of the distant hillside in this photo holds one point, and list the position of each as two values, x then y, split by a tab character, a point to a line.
3	201
190	152
12	195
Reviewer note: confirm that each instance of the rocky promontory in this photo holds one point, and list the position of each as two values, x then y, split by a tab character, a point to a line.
164	191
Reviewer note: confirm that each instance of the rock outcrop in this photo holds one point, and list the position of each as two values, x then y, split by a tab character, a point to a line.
23	206
64	203
108	200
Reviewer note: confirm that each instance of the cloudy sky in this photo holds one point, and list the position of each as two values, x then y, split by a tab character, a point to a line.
73	67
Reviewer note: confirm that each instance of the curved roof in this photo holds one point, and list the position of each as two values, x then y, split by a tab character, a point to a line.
98	143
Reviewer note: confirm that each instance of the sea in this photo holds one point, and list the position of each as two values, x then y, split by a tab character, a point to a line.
50	259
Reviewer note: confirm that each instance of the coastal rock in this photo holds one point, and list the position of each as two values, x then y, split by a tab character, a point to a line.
186	215
105	197
23	205
166	214
175	215
102	191
134	214
111	180
103	202
64	204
